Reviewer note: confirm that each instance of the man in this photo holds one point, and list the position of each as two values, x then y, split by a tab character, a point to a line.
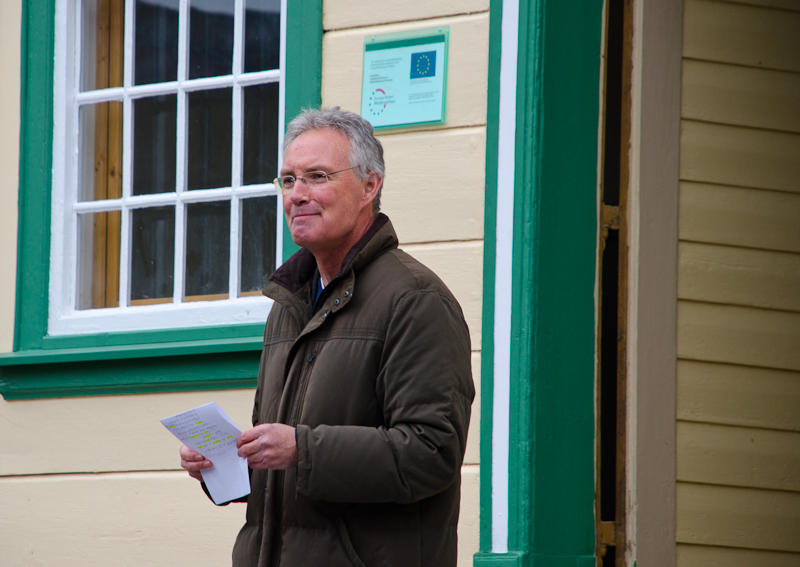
364	389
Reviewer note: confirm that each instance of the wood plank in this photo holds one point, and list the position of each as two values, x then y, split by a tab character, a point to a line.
467	66
738	517
460	266
741	34
743	96
340	14
125	520
738	395
738	456
737	216
472	454
83	434
778	4
133	519
739	276
738	335
742	157
425	201
709	556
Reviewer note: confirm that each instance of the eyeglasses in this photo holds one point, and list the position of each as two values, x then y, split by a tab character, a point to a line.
285	183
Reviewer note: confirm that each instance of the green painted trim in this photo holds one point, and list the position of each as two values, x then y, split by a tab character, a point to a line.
551	468
499	560
29	371
436	38
196	371
304	72
489	262
35	176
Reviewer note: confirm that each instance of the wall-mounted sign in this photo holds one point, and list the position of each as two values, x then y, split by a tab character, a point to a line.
405	78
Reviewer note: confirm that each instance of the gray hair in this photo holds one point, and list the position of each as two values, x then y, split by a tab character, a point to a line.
366	152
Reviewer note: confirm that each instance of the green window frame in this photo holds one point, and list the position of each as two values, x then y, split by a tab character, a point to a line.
127	362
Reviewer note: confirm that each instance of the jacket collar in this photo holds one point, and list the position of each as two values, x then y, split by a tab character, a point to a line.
298	270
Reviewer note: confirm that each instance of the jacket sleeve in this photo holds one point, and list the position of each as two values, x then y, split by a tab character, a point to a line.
425	385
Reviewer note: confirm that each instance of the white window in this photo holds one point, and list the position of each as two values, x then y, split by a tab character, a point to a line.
168	120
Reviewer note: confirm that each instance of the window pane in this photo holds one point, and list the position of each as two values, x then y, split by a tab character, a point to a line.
98	260
208	250
156	51
152	255
262	35
102	36
258	243
260	158
154	131
211	38
100	174
209	160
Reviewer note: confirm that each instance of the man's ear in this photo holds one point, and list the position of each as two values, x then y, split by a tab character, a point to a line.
373	185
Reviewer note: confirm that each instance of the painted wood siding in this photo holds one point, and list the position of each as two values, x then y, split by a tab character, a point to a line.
434	186
738	429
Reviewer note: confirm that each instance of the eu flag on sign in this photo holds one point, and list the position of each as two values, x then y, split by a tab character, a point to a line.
423	64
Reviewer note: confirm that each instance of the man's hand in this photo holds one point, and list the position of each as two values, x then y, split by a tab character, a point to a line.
193	462
269	446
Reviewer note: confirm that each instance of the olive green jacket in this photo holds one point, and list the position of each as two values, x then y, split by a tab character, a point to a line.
376	377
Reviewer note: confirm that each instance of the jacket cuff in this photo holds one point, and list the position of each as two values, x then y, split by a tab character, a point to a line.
303	458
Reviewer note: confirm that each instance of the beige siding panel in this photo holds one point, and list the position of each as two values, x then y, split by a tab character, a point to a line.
737	216
738	517
738	395
740	34
92	433
740	276
779	4
118	519
738	456
340	14
738	335
707	556
472	455
343	54
426	201
469	517
460	265
10	44
744	157
744	96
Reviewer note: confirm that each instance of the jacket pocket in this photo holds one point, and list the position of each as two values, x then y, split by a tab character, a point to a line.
344	535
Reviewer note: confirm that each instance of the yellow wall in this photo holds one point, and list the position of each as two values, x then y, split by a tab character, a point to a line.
10	17
738	430
434	188
76	486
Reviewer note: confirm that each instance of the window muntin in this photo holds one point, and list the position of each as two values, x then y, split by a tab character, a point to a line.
176	148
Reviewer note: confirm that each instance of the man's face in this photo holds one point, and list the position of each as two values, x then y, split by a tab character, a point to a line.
326	217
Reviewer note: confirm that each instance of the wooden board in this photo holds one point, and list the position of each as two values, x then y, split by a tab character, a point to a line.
738	517
340	14
467	66
738	156
472	454
741	34
435	184
744	96
738	395
739	276
469	517
707	556
778	4
738	335
738	456
737	216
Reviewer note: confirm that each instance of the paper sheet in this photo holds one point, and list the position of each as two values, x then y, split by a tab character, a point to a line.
209	431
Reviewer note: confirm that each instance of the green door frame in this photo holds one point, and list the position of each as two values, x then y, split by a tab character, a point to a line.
548	518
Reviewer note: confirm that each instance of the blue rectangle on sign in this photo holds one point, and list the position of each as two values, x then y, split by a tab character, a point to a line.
423	64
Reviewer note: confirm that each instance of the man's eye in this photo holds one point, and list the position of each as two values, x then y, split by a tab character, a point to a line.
287	180
317	176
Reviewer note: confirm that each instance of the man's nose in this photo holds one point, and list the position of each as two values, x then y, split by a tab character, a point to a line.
300	192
